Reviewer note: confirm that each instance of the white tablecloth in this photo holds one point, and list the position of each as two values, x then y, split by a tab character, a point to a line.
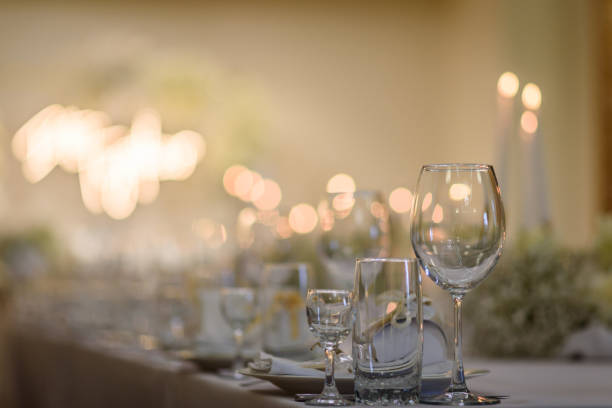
54	372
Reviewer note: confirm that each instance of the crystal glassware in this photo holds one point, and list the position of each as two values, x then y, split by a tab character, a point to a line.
353	225
458	230
283	289
329	317
238	308
387	331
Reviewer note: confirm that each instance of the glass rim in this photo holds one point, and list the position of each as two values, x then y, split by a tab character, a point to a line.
389	260
286	264
457	166
238	289
327	290
356	193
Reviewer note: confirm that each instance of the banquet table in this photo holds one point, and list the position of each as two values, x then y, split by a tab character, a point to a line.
55	371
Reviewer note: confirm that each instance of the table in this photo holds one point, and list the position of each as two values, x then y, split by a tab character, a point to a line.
51	371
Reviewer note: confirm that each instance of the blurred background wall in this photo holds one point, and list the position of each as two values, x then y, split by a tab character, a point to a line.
371	89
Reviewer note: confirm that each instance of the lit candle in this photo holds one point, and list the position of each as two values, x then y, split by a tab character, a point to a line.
507	87
535	193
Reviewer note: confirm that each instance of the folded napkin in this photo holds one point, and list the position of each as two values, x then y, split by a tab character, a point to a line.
593	342
269	364
434	359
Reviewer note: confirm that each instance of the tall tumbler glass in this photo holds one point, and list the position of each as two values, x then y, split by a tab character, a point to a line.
283	299
387	331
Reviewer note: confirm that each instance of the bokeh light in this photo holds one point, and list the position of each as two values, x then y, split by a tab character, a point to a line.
271	196
341	183
438	214
230	176
247	217
459	191
400	200
426	202
508	84
243	184
529	122
118	168
283	229
303	218
531	96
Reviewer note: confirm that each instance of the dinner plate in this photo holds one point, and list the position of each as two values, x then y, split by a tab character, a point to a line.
432	384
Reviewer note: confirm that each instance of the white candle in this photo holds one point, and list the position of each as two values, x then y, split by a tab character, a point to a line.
507	87
536	211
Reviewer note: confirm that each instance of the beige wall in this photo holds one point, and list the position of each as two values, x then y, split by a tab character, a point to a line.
374	91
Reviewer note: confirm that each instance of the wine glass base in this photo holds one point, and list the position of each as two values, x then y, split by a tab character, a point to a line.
459	398
326	401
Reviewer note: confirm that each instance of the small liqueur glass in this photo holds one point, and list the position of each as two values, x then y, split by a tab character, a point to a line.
329	318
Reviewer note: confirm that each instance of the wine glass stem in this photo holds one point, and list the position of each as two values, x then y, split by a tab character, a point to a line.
330	382
458	380
238	360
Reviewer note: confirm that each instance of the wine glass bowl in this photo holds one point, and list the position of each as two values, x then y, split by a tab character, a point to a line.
458	226
328	313
458	231
238	306
353	225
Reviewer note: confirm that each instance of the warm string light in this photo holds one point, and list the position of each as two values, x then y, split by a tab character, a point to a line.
118	168
250	186
400	200
303	218
341	183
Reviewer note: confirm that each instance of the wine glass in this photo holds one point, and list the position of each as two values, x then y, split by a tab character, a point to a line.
458	230
353	225
329	318
238	308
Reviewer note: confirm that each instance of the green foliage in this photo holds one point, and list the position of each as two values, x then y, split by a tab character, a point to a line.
603	243
537	295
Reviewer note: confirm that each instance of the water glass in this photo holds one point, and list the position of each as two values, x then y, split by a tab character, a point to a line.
387	331
282	296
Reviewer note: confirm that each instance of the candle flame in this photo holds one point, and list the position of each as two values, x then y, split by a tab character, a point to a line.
531	96
508	84
529	122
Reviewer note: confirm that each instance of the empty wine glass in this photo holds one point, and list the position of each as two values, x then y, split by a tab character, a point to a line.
238	308
353	225
458	230
329	317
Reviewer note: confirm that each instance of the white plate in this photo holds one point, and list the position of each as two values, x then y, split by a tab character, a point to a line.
298	384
